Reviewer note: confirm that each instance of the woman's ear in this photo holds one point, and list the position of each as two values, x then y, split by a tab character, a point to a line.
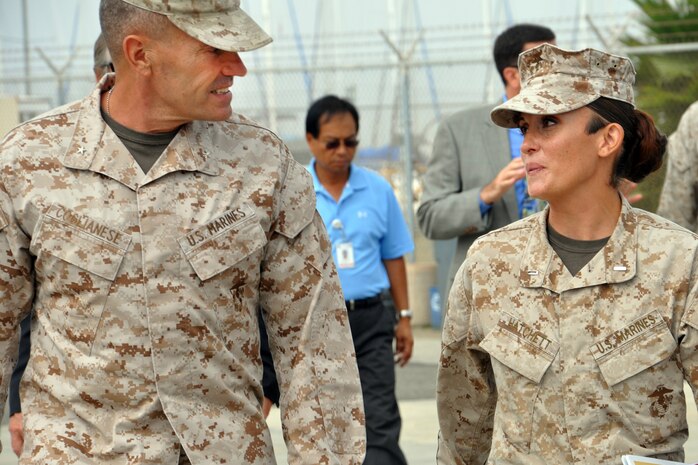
611	141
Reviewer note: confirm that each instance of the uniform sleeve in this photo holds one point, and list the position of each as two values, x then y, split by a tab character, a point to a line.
448	209
309	335
678	201
16	289
465	390
688	334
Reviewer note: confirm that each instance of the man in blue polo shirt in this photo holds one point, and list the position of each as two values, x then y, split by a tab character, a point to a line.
369	240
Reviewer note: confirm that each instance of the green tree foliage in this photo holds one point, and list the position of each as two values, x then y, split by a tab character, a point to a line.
667	82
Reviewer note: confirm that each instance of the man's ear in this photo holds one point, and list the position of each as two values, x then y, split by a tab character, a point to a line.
611	141
511	77
135	53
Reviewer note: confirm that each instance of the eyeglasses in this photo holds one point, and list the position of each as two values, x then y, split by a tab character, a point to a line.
349	143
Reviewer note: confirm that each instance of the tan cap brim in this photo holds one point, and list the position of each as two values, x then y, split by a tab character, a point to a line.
541	99
232	31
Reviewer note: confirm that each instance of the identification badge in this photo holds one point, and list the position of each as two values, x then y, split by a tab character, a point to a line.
345	255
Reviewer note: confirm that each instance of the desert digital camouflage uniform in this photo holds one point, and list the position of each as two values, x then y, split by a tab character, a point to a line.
145	290
679	199
591	367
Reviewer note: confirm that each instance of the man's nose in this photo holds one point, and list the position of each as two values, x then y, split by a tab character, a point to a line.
233	64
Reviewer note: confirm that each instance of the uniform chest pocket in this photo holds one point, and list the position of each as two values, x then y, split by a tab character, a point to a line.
211	249
633	348
640	366
77	261
520	357
227	261
521	348
90	246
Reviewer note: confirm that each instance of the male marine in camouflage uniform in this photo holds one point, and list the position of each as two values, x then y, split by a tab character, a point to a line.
145	266
679	199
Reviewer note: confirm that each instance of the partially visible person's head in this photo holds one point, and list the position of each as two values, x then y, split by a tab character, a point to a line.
558	82
332	127
323	109
102	63
510	43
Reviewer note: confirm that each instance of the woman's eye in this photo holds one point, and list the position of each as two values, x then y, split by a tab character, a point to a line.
547	122
523	129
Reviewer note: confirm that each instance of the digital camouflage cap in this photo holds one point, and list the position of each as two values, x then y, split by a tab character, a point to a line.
219	23
556	81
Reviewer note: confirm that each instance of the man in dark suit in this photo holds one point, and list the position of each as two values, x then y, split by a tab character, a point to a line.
475	180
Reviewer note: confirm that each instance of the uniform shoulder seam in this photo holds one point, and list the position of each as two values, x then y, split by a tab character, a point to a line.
652	220
240	120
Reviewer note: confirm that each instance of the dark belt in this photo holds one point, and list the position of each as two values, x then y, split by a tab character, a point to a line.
357	304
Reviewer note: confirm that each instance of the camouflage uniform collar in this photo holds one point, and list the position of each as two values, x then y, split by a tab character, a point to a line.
89	128
616	262
95	147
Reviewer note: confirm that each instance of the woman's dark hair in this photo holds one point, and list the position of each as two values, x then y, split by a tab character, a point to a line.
325	108
644	144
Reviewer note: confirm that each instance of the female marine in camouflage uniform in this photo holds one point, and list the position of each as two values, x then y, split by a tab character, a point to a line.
570	333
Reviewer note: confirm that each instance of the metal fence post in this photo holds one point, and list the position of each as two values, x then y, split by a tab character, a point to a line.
407	139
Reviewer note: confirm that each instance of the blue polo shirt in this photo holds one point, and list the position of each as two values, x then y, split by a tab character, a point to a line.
369	217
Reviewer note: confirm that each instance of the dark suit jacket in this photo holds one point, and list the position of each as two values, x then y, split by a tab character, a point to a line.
469	151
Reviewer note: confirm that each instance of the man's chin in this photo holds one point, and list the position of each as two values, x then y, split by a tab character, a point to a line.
220	116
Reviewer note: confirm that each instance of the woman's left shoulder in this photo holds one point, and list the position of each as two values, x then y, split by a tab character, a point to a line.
652	221
661	233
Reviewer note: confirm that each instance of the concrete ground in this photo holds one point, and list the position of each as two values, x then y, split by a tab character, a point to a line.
416	384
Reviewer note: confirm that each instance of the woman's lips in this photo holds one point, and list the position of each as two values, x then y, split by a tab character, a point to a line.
533	168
